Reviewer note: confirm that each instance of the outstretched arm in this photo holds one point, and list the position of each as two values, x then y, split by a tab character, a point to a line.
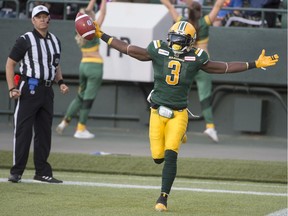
89	10
102	13
215	10
90	6
134	51
172	10
235	67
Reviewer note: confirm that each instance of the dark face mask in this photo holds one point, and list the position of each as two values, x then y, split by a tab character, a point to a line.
181	40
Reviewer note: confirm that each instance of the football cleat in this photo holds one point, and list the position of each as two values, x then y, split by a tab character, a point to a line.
85	134
60	128
14	178
212	133
48	179
161	203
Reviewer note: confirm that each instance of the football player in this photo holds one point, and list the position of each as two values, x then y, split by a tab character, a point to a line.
203	80
90	76
175	64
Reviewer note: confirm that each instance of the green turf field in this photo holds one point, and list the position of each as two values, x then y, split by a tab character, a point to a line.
102	194
125	185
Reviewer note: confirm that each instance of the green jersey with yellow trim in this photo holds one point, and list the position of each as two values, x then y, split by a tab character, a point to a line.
173	74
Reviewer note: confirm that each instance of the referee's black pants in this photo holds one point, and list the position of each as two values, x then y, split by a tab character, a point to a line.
33	111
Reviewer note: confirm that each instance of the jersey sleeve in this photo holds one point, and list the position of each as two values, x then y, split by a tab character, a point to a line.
19	49
202	56
153	48
207	20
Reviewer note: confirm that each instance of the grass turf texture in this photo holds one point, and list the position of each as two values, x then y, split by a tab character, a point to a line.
31	199
240	170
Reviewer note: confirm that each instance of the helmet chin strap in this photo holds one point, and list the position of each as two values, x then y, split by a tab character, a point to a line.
176	47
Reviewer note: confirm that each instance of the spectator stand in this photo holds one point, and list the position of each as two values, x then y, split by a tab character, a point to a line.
18	9
9	9
70	8
249	21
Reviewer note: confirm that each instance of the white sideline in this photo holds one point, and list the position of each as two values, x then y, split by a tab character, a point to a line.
282	212
95	184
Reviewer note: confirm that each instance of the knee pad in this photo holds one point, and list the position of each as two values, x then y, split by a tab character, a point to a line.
158	161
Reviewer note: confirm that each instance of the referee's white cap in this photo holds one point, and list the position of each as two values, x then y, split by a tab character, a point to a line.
39	9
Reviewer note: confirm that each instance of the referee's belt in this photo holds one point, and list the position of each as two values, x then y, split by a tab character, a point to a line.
46	83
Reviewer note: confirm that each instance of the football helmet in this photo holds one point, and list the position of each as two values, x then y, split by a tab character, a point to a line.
181	37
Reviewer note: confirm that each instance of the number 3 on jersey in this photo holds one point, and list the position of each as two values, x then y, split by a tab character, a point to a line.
175	67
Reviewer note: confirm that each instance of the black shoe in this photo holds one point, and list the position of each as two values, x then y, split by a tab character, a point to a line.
161	203
48	179
15	178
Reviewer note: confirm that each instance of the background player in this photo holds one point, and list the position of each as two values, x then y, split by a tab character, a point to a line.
90	77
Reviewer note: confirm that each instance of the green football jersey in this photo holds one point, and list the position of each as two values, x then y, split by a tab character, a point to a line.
173	74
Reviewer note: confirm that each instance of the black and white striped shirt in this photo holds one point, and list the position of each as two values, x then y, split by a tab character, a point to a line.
39	57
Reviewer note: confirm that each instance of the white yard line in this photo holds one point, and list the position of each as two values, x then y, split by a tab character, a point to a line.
191	181
282	212
95	184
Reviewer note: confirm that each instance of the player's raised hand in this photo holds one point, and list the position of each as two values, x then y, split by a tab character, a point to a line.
98	32
266	61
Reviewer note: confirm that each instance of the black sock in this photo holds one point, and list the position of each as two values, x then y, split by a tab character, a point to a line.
169	170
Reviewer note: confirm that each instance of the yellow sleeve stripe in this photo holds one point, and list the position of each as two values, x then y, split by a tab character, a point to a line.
199	52
156	44
207	20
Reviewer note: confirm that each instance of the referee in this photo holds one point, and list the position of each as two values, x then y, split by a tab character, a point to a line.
38	53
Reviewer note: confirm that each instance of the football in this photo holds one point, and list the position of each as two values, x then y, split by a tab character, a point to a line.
84	26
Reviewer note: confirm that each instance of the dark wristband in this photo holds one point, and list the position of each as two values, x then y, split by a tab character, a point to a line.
105	37
12	89
251	65
60	82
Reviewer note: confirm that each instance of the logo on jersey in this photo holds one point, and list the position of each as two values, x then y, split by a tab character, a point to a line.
176	58
163	52
190	58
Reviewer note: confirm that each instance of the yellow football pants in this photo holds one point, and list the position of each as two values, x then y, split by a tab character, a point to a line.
166	133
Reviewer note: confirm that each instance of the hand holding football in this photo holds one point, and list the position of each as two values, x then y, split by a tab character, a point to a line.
84	26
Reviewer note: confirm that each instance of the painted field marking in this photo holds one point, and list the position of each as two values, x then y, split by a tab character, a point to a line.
282	212
179	180
95	184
